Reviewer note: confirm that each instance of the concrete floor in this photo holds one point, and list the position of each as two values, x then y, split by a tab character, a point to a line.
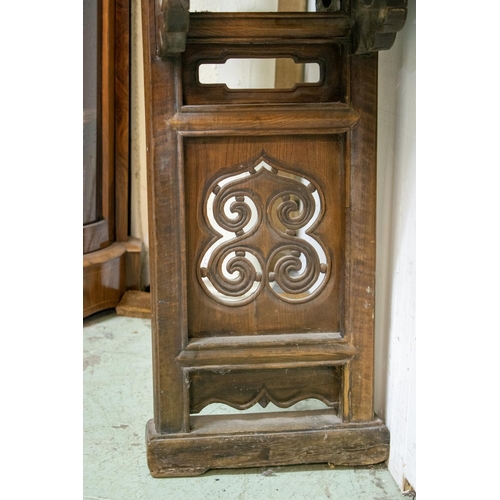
118	401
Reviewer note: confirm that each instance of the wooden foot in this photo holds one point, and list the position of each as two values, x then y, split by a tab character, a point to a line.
239	441
135	304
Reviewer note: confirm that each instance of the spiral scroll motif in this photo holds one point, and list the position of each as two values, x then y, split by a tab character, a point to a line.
232	271
232	201
235	273
296	268
295	209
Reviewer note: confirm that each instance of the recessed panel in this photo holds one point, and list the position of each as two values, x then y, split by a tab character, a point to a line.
214	74
265	234
282	388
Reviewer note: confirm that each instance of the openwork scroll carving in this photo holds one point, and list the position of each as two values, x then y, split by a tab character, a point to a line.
241	260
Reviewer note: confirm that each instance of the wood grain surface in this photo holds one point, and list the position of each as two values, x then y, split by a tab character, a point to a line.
253	192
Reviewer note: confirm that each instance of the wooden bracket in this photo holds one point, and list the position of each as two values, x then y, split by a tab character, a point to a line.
172	25
375	22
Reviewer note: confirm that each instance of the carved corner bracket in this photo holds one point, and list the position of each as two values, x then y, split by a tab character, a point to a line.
375	22
172	25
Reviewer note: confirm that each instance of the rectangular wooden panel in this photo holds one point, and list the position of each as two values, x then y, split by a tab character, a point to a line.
317	159
328	89
242	389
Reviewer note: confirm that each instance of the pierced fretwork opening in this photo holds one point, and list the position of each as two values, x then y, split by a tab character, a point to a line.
231	270
267	390
260	73
304	405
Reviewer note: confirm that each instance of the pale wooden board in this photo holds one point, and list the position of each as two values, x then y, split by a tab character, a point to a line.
135	304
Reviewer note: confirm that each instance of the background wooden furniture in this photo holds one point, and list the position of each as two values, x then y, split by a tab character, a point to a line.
111	258
262	231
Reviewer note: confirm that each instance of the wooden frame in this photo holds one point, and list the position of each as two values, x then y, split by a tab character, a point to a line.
111	258
344	124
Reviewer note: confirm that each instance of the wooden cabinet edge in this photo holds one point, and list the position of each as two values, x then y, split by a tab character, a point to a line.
107	275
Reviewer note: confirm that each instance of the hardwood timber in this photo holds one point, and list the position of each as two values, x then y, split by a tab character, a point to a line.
172	20
361	222
266	351
263	28
103	278
285	119
262	241
107	274
166	231
101	233
122	118
241	389
135	304
375	22
327	90
276	440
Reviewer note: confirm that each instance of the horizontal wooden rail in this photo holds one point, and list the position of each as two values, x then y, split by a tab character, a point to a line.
264	27
266	351
222	120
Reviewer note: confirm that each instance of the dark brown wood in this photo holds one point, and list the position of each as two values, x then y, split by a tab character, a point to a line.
111	257
263	28
361	223
100	234
122	118
172	24
105	275
267	351
262	247
278	439
375	22
241	389
267	313
103	278
327	90
166	232
234	120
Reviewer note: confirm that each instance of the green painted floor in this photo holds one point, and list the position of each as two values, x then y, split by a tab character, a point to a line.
118	401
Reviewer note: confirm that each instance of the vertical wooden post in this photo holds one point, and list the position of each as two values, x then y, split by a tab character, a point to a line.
166	232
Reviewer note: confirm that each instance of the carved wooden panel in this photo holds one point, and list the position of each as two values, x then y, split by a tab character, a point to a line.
242	389
328	89
232	271
265	234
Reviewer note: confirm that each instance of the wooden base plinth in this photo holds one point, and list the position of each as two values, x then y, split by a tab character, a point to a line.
238	441
135	304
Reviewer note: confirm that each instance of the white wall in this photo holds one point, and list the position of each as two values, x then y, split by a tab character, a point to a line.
395	334
395	309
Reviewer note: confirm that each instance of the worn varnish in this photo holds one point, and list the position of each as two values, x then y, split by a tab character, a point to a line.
262	238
